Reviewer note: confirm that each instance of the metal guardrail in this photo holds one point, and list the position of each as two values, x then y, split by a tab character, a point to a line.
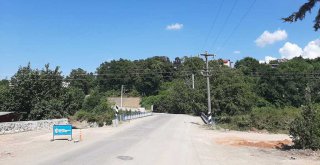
136	115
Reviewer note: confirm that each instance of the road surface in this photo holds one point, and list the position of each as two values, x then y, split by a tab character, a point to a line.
162	139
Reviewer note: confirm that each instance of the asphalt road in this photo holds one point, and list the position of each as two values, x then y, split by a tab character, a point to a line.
166	139
161	139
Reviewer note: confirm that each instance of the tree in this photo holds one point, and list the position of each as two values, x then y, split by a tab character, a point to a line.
247	65
111	75
232	95
51	109
301	13
72	100
305	130
79	78
31	87
4	91
152	73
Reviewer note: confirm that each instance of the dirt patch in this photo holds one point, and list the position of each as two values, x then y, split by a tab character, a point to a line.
253	143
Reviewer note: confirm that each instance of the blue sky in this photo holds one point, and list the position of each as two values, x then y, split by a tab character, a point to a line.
82	33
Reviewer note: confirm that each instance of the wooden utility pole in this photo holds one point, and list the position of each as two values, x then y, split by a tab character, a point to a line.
207	75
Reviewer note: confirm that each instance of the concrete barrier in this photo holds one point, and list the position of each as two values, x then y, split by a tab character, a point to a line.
24	126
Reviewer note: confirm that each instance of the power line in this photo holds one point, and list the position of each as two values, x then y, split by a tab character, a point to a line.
225	23
238	25
213	23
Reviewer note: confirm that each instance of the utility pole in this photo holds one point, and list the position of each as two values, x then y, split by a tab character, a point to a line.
192	81
122	88
206	74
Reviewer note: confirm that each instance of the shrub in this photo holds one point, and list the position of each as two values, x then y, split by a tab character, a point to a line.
96	111
268	118
273	119
305	130
81	115
239	122
108	118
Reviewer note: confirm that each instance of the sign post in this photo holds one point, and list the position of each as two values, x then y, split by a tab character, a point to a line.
62	130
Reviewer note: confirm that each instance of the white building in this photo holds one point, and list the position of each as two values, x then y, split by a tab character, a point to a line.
227	63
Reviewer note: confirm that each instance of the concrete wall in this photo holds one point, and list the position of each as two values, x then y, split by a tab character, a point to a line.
133	102
23	126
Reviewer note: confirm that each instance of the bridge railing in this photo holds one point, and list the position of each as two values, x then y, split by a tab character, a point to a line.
134	115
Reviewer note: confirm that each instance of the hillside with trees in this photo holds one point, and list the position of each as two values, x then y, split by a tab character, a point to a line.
282	96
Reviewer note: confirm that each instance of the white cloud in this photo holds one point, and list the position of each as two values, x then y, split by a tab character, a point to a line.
236	52
290	50
268	38
176	26
267	60
311	51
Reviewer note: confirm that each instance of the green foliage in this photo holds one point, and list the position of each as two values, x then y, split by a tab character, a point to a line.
4	92
250	95
80	79
238	122
111	75
81	115
92	100
301	13
113	93
305	130
133	93
247	65
96	108
52	109
264	118
39	94
101	119
232	95
73	100
147	102
161	102
178	98
273	119
34	87
142	76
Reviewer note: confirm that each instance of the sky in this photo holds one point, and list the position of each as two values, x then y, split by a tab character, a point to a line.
83	34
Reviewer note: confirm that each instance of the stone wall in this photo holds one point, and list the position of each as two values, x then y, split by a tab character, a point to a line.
24	126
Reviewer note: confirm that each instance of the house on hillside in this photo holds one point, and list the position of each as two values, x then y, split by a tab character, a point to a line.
274	63
227	63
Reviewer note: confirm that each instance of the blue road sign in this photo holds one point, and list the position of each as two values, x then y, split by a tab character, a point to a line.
62	130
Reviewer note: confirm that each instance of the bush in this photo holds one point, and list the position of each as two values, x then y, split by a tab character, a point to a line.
113	93
151	100
273	119
239	122
52	109
268	118
305	130
81	115
96	111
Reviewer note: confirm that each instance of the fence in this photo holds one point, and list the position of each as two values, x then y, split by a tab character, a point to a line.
133	115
